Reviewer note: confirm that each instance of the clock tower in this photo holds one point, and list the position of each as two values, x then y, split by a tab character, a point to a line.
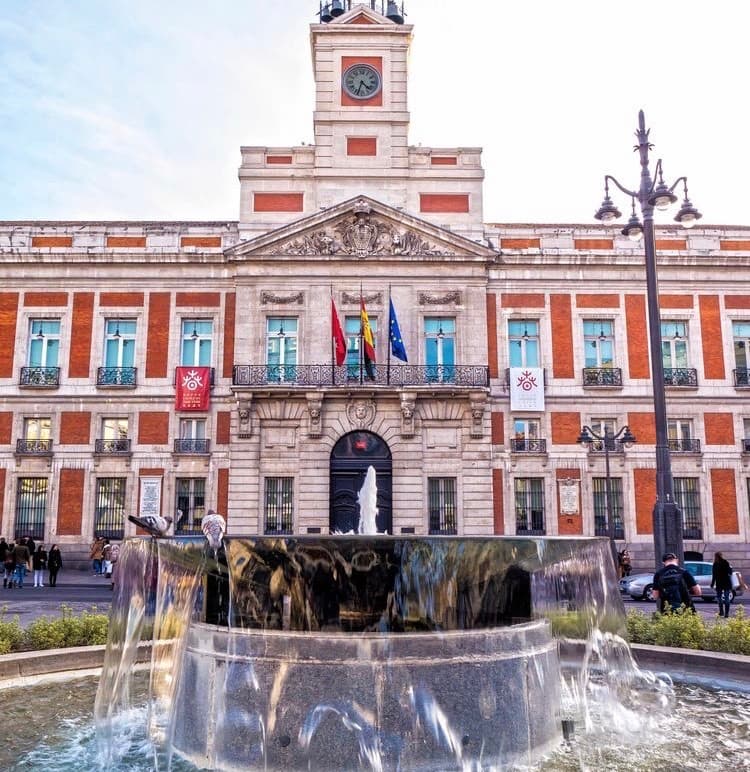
360	55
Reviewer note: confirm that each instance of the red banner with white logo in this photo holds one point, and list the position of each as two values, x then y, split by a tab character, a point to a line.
193	388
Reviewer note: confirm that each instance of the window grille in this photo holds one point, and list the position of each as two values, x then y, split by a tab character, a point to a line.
190	505
109	517
529	499
31	506
687	496
279	505
441	493
601	526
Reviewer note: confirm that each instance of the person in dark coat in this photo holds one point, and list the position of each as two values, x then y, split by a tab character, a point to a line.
9	566
39	563
54	564
721	578
23	558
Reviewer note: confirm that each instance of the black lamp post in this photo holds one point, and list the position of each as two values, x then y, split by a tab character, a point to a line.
667	517
608	441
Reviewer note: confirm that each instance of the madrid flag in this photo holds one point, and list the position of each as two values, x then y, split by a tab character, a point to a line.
193	390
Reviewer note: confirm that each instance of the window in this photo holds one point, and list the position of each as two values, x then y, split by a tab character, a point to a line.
279	505
598	342
529	500
109	515
440	349
44	343
37	435
192	436
196	342
441	494
741	335
602	427
680	435
746	440
114	437
601	524
119	343
527	436
353	334
190	504
687	497
31	507
523	342
674	345
281	349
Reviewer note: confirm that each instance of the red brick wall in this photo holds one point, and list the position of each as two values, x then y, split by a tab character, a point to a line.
497	422
643	426
671	244
230	306
522	300
566	427
70	502
520	243
121	299
444	202
497	501
45	299
223	419
153	428
210	241
562	336
79	364
157	351
361	146
8	320
277	202
593	244
713	349
731	245
222	491
443	160
719	428
278	159
724	498
6	431
51	241
740	302
199	299
635	322
644	484
128	242
568	525
75	428
676	301
597	301
492	334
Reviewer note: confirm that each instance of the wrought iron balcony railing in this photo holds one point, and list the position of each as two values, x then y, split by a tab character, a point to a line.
34	447
528	445
40	377
614	446
681	376
350	376
602	376
115	447
684	445
191	446
116	376
741	377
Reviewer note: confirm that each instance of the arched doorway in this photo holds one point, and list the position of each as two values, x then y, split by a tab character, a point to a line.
350	458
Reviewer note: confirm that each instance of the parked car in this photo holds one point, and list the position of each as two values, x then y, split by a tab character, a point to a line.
639	586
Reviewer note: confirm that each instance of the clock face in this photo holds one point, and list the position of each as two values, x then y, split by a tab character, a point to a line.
361	81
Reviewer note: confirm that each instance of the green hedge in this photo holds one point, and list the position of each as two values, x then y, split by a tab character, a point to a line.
69	629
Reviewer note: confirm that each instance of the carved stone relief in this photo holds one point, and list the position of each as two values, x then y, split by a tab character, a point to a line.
315	413
270	297
408	406
374	298
243	410
361	413
440	300
478	403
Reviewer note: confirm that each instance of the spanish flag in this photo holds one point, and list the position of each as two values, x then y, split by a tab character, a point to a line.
368	344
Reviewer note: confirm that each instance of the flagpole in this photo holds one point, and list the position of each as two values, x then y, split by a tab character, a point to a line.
333	345
388	367
361	336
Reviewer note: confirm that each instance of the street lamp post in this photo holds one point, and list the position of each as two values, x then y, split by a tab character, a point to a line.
608	441
667	518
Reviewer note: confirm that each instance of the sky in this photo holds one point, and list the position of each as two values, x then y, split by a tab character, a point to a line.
136	109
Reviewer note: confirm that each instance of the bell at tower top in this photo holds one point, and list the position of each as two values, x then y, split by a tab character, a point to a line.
330	10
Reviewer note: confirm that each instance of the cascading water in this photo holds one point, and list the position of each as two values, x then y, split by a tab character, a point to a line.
368	504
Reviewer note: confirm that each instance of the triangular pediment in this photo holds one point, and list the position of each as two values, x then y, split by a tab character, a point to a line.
361	14
361	227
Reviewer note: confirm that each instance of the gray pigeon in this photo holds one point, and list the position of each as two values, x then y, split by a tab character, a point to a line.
156	525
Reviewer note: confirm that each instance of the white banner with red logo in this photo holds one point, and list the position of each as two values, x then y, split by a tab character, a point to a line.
527	388
193	388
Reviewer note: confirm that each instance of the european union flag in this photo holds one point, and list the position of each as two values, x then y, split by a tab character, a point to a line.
397	343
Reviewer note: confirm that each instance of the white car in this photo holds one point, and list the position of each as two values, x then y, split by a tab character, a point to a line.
639	586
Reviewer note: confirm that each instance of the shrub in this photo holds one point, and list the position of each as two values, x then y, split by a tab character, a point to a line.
85	629
11	634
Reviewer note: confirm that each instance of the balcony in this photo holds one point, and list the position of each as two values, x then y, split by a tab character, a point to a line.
116	377
33	447
683	445
117	447
741	377
528	445
602	376
682	377
40	377
596	448
192	447
346	376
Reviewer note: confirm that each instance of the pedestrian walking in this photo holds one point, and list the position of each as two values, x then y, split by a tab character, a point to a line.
23	559
54	564
721	578
107	559
674	586
97	555
9	566
3	554
39	563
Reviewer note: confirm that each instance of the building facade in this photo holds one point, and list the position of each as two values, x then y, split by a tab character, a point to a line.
516	336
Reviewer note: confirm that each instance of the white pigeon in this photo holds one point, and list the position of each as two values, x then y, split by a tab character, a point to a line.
214	526
156	525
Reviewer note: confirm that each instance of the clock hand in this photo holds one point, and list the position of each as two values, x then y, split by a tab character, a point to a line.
361	83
